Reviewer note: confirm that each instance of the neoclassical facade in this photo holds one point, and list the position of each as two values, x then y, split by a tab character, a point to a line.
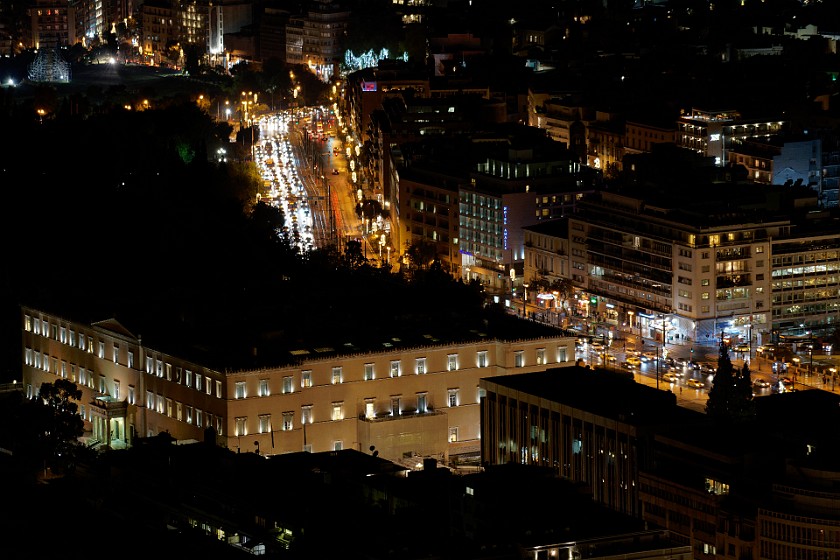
403	402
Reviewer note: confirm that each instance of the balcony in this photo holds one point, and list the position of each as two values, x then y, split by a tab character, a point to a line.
405	414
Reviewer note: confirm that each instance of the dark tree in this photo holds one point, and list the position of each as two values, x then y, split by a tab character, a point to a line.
730	398
723	386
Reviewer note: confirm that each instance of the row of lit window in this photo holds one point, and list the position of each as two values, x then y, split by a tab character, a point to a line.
181	412
187	377
395	370
337	413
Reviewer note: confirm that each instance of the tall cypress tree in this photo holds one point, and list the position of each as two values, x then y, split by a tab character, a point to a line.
730	397
720	395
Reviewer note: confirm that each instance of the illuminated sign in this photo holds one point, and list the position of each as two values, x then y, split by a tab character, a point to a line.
368	86
714	137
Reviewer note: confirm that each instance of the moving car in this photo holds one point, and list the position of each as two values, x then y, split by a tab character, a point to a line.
335	171
670	377
634	360
696	383
761	383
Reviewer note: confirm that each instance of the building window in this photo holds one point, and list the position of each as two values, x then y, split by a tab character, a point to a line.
188	378
287	384
159	368
562	355
263	392
63	369
63	336
265	423
208	386
198	382
288	421
240	390
240	427
218	391
541	356
90	345
179	411
481	358
168	369
198	417
178	372
160	402
336	375
101	352
169	408
306	414
519	358
420	366
130	359
219	425
82	376
704	295
337	411
452	397
370	409
72	339
395	406
27	323
480	393
102	384
704	282
338	446
116	390
116	354
369	372
452	362
306	378
395	368
422	403
131	394
453	434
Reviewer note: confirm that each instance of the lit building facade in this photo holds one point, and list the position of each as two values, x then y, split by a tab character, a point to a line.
712	133
683	277
406	402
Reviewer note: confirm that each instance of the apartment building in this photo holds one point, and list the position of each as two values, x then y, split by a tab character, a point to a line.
679	269
168	22
52	24
407	402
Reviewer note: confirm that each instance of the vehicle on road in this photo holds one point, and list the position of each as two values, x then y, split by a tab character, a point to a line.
695	383
670	377
335	171
628	365
635	360
761	383
742	348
